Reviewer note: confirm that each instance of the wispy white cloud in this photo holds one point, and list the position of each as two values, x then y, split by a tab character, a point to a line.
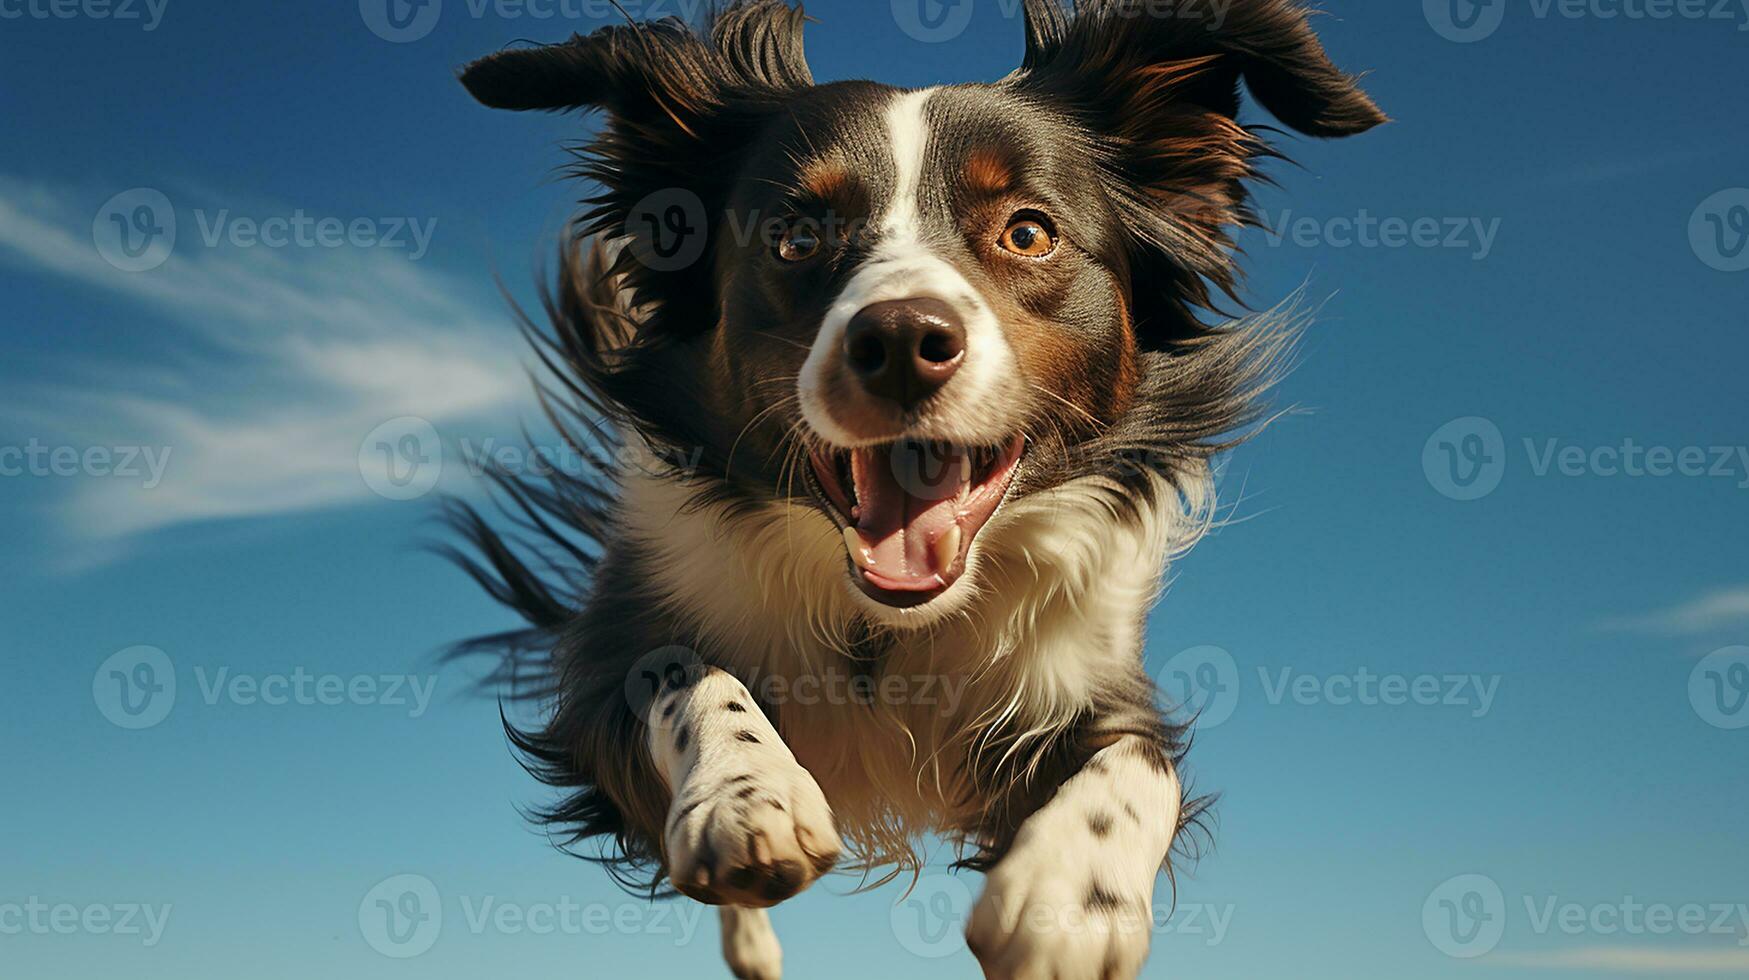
1607	169
277	364
1716	610
1647	961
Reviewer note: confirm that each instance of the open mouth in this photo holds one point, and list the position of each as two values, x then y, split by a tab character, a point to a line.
911	509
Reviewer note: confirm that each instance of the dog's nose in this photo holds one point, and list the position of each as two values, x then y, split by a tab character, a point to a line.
905	349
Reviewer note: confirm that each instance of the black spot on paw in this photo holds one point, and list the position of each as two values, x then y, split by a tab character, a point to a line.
747	737
707	859
785	879
1100	900
1157	758
678	677
735	706
1099	822
680	739
746	791
681	815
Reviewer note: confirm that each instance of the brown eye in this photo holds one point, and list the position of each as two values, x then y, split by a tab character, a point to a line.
799	242
1028	236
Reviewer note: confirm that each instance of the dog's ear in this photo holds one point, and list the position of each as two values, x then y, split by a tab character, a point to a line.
1158	86
640	72
627	71
681	105
1268	43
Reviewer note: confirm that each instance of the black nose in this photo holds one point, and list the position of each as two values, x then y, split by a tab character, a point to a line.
905	349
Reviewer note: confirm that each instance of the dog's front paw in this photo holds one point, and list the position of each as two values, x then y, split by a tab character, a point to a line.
1048	913
750	838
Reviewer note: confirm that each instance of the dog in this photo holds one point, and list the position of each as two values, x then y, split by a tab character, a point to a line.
913	396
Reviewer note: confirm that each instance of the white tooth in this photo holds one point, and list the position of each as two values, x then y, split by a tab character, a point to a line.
947	548
858	550
965	469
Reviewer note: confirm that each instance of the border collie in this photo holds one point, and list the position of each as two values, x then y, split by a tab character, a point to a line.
914	394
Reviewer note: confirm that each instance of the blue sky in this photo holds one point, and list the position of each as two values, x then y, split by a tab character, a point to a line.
1456	510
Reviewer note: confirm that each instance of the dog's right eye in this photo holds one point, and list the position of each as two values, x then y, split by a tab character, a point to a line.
799	242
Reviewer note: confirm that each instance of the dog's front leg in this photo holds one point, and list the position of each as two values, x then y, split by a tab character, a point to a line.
750	946
747	825
1072	899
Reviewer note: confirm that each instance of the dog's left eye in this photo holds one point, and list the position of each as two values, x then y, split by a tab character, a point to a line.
1028	235
799	242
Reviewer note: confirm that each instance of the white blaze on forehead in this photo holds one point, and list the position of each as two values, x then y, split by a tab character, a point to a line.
972	408
908	135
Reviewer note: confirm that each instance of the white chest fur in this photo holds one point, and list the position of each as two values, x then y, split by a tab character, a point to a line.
1054	599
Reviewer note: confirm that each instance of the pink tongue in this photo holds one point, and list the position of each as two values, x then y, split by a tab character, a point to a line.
907	497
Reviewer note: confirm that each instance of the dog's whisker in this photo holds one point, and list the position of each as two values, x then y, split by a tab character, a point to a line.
785	340
1097	423
755	420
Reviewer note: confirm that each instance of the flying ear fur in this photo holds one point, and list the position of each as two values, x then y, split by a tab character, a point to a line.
1268	43
640	71
681	103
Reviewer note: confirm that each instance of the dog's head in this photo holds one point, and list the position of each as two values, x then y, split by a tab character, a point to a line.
912	306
